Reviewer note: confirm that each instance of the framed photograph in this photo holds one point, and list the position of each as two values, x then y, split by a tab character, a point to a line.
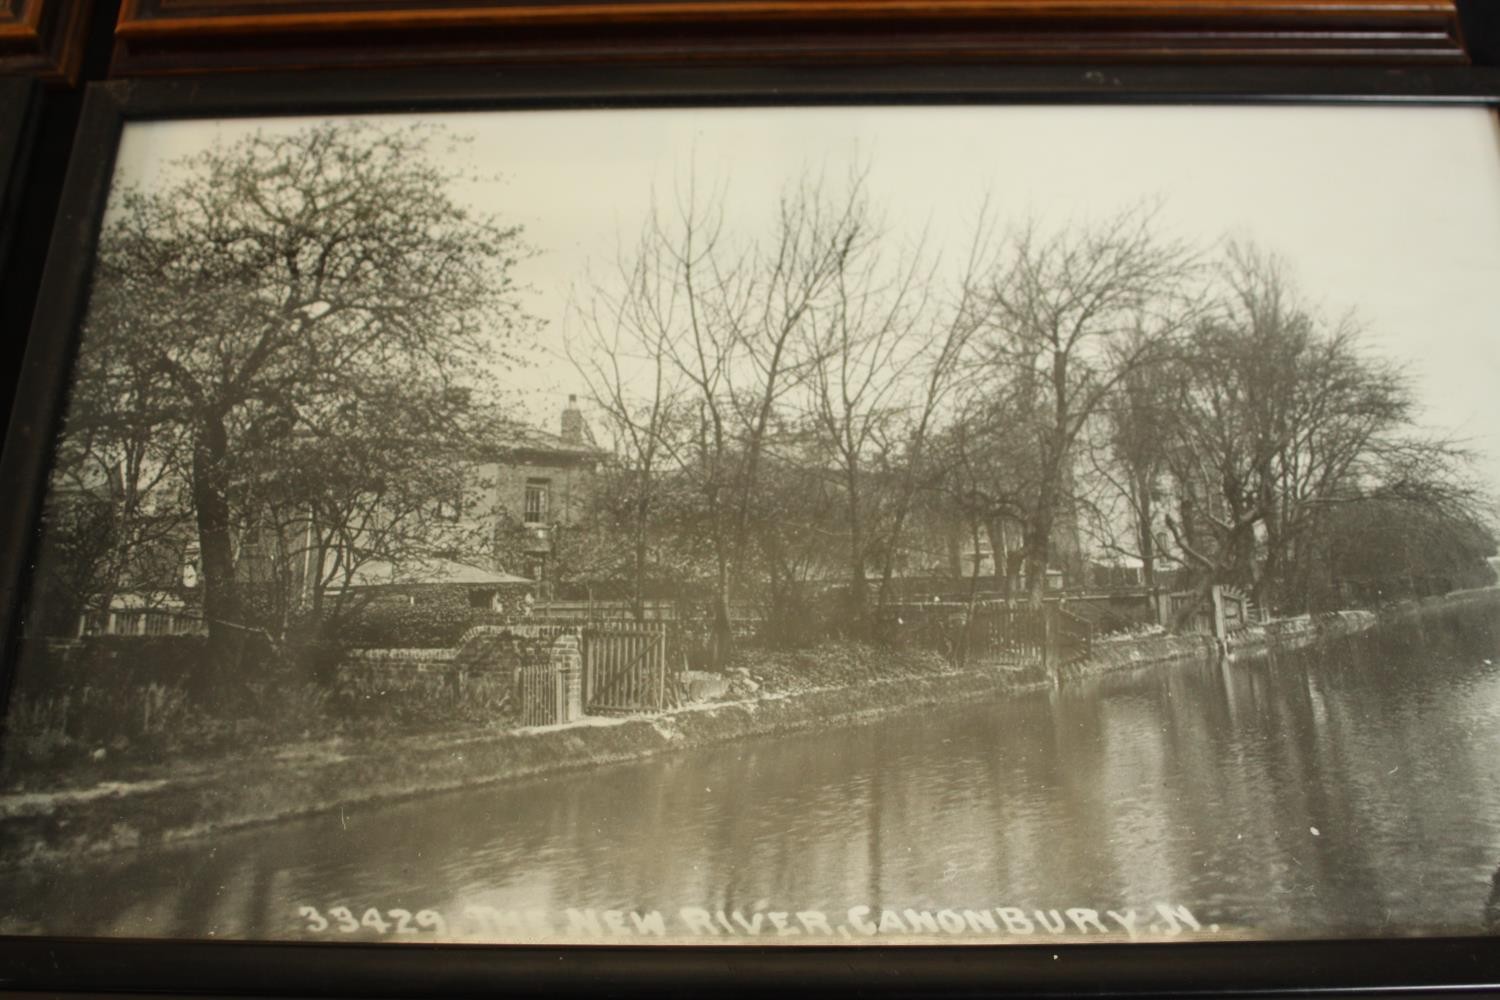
1023	529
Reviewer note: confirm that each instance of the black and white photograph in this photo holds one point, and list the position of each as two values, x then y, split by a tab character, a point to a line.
861	525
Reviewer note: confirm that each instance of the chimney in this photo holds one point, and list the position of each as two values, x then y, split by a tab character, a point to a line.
573	430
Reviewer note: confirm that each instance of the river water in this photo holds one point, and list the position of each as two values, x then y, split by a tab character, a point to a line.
1353	789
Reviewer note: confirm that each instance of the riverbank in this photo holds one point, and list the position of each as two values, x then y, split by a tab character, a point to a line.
1132	652
314	777
780	693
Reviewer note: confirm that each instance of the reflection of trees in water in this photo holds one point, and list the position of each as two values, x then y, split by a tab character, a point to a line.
221	895
165	893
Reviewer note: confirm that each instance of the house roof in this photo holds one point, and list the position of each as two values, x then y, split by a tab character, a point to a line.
429	572
511	435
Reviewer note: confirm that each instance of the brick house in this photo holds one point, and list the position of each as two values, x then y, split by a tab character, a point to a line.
532	485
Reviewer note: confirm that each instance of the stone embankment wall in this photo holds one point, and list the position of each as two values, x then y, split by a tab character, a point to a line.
1290	633
1127	653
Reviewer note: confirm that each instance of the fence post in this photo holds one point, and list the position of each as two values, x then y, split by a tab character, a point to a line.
1221	630
567	668
1049	638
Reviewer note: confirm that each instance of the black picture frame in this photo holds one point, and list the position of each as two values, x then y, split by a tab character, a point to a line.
19	121
1414	966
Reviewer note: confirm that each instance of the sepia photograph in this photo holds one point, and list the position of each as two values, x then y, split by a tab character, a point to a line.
867	525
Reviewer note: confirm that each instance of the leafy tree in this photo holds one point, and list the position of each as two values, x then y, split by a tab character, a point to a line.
294	287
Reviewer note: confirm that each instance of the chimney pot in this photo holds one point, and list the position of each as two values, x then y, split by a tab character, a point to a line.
573	430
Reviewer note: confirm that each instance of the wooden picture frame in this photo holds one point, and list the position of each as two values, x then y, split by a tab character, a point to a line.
174	36
55	964
43	38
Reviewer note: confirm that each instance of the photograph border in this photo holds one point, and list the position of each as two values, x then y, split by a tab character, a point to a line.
1408	965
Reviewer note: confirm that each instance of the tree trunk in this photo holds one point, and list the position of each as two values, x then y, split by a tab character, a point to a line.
968	634
999	550
723	633
1015	561
637	595
210	489
1145	539
1036	544
638	574
858	585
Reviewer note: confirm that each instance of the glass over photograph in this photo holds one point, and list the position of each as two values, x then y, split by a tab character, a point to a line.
774	526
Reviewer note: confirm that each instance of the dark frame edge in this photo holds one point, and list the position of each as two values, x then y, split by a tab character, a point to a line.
40	390
516	88
1323	968
20	121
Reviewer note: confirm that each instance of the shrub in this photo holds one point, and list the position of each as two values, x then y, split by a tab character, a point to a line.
429	618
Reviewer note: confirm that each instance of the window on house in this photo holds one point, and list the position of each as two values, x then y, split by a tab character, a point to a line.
190	565
537	496
449	509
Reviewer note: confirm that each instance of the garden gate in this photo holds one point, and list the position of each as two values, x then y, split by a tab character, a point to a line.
628	669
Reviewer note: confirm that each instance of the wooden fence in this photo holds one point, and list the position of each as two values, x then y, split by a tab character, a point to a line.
995	633
626	666
594	612
630	669
140	621
1222	612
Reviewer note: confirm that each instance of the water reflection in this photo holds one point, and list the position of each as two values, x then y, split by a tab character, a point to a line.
1355	790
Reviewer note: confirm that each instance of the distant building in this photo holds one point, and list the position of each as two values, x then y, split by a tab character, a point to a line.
535	484
520	491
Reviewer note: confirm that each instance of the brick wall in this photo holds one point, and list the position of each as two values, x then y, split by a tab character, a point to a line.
480	672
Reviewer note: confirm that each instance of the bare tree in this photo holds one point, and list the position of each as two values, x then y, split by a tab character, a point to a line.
1283	414
864	352
1129	455
741	339
623	350
1061	311
906	448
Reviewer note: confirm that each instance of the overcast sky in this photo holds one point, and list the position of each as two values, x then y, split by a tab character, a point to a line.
1393	213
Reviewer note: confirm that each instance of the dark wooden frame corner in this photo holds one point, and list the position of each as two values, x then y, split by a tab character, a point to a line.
44	38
